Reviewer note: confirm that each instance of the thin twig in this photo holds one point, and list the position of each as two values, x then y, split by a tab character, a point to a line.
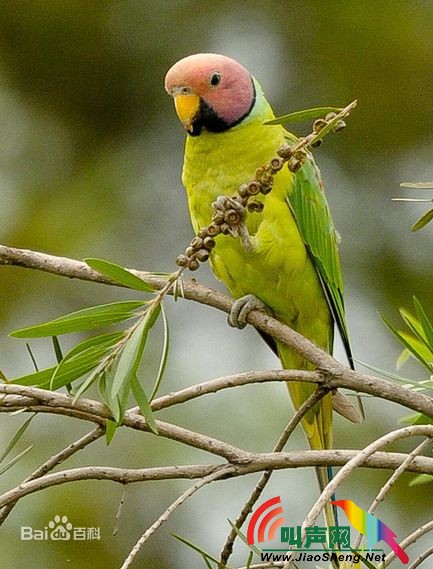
314	398
392	480
227	382
421	558
119	511
346	471
410	540
258	462
220	473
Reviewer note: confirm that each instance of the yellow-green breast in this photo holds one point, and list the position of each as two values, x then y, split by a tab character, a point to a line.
278	270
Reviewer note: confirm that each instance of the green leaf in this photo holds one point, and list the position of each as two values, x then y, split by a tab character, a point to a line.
87	383
421	479
110	430
199	550
81	320
32	357
412	344
325	130
413	324
243	538
73	368
143	403
402	358
95	345
16	438
425	323
118	274
164	354
306	114
130	358
416	419
423	220
14	460
57	349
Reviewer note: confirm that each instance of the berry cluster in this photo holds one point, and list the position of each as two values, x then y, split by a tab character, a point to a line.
229	213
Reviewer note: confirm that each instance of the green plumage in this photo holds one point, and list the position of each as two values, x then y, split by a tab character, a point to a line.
294	265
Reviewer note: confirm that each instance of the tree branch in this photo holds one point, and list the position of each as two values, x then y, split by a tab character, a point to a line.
258	462
333	373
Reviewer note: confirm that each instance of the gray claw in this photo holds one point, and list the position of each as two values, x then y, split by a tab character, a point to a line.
242	307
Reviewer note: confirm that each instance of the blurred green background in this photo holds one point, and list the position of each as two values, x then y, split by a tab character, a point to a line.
90	160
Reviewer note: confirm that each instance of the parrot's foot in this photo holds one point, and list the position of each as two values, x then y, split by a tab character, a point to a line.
242	307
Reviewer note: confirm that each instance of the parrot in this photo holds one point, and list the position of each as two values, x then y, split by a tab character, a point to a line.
292	268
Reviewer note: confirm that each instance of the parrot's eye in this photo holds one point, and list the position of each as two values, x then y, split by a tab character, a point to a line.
215	79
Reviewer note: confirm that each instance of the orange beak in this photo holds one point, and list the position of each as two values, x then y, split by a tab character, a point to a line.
187	107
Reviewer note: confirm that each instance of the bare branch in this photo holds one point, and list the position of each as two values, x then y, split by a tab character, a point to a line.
334	373
237	380
358	460
221	472
257	462
264	479
410	540
421	558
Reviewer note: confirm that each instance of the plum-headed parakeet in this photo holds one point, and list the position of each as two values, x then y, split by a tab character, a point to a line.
293	266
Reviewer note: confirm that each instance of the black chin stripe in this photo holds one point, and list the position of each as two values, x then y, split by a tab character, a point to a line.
208	119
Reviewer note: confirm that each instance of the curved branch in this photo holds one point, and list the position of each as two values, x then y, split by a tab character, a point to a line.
218	474
410	540
258	462
335	374
358	460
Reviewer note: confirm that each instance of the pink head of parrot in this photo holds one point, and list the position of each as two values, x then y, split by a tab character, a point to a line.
210	91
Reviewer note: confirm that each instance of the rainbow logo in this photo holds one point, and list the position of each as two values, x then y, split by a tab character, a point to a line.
267	520
371	527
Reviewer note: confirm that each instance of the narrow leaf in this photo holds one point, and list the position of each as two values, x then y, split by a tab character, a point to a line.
32	357
402	358
423	220
74	368
9	465
16	438
131	354
325	130
413	324
143	403
110	430
81	320
421	479
164	354
202	552
87	349
87	383
416	419
243	538
57	349
306	114
118	274
409	343
425	323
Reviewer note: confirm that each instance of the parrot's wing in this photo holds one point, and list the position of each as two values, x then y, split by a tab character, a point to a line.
310	208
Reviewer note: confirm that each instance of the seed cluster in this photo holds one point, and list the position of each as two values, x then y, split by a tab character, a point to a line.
229	213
